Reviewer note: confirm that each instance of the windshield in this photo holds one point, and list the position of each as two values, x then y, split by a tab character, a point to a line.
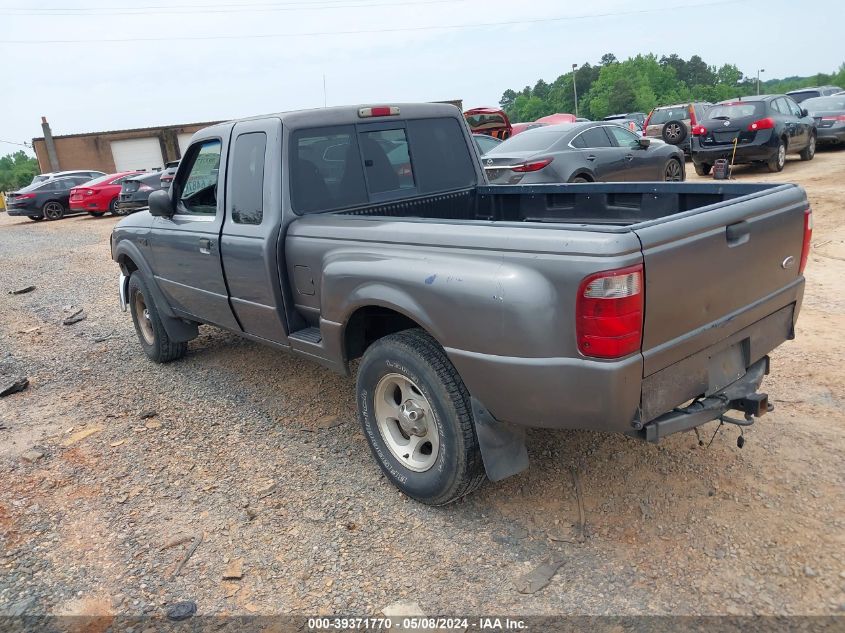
735	110
485	121
40	178
664	115
531	141
825	103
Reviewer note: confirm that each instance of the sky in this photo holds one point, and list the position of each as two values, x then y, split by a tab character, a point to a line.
95	65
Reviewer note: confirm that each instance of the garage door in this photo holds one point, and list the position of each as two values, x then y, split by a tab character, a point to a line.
184	141
137	153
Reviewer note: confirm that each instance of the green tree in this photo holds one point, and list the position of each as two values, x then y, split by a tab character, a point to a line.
17	170
508	97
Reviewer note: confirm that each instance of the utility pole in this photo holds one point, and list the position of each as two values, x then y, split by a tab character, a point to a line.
575	88
759	70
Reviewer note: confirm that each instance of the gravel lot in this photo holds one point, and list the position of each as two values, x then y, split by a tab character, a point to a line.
110	465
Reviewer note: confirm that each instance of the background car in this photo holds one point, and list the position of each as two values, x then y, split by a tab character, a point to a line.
673	124
88	173
582	152
623	119
829	115
766	129
135	191
99	195
485	143
43	200
799	96
168	173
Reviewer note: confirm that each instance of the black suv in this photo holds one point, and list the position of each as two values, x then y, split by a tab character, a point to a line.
755	129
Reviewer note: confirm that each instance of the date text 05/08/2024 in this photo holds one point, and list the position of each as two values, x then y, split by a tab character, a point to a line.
413	623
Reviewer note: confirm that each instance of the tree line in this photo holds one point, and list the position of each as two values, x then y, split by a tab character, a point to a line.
17	170
640	83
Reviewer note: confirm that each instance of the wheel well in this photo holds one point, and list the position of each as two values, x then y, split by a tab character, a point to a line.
582	174
127	264
370	323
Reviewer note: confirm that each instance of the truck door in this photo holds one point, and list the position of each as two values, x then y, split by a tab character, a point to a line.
185	247
250	239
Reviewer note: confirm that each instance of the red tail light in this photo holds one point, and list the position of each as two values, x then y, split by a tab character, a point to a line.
534	165
609	313
808	235
647	119
699	130
25	196
838	117
692	119
89	192
378	111
763	124
145	188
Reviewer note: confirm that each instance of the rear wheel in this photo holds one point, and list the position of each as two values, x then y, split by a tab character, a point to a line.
776	162
113	207
808	152
148	326
580	179
416	415
703	169
53	210
673	172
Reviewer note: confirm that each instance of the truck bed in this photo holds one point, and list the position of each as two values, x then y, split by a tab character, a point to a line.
594	204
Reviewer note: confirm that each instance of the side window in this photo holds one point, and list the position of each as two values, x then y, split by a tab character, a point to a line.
387	162
794	108
779	106
326	171
623	137
442	158
198	192
596	137
579	142
247	186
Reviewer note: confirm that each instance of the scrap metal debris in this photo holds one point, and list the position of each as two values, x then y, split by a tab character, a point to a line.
76	317
8	387
22	291
188	554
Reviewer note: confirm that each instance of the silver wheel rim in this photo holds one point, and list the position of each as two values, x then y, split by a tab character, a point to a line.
406	422
781	154
144	322
673	131
53	210
673	171
812	146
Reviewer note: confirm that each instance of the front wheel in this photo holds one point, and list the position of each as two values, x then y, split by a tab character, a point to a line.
148	326
416	415
776	162
673	172
702	169
808	152
53	210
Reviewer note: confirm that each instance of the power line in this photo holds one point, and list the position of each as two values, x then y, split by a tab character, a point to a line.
206	9
98	41
14	143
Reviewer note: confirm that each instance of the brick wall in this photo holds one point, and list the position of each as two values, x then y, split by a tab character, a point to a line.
93	151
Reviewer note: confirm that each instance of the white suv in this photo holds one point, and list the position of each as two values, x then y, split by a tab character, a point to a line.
61	174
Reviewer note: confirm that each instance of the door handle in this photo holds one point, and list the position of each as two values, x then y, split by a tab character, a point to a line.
205	246
738	233
629	157
591	157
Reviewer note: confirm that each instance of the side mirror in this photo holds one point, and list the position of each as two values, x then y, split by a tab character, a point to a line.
644	143
804	112
160	204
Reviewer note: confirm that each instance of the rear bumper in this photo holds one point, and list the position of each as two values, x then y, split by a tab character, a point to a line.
744	153
22	210
131	205
831	135
89	205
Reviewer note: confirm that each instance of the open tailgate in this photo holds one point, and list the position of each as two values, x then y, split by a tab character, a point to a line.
711	274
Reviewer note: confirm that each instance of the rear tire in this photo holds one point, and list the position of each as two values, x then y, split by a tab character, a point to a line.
580	179
113	207
148	326
53	210
702	169
433	457
808	152
776	162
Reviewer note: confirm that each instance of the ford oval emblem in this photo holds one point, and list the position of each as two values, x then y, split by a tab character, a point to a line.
788	262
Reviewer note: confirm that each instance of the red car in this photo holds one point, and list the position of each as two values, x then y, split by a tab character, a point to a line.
99	195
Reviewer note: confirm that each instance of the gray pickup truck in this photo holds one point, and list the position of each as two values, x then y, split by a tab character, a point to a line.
476	311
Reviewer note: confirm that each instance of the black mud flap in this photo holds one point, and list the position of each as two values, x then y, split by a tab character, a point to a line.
502	445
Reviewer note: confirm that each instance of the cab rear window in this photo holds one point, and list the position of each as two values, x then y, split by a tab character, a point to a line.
344	166
664	115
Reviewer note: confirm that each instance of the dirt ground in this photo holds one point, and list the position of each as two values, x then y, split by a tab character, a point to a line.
112	469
